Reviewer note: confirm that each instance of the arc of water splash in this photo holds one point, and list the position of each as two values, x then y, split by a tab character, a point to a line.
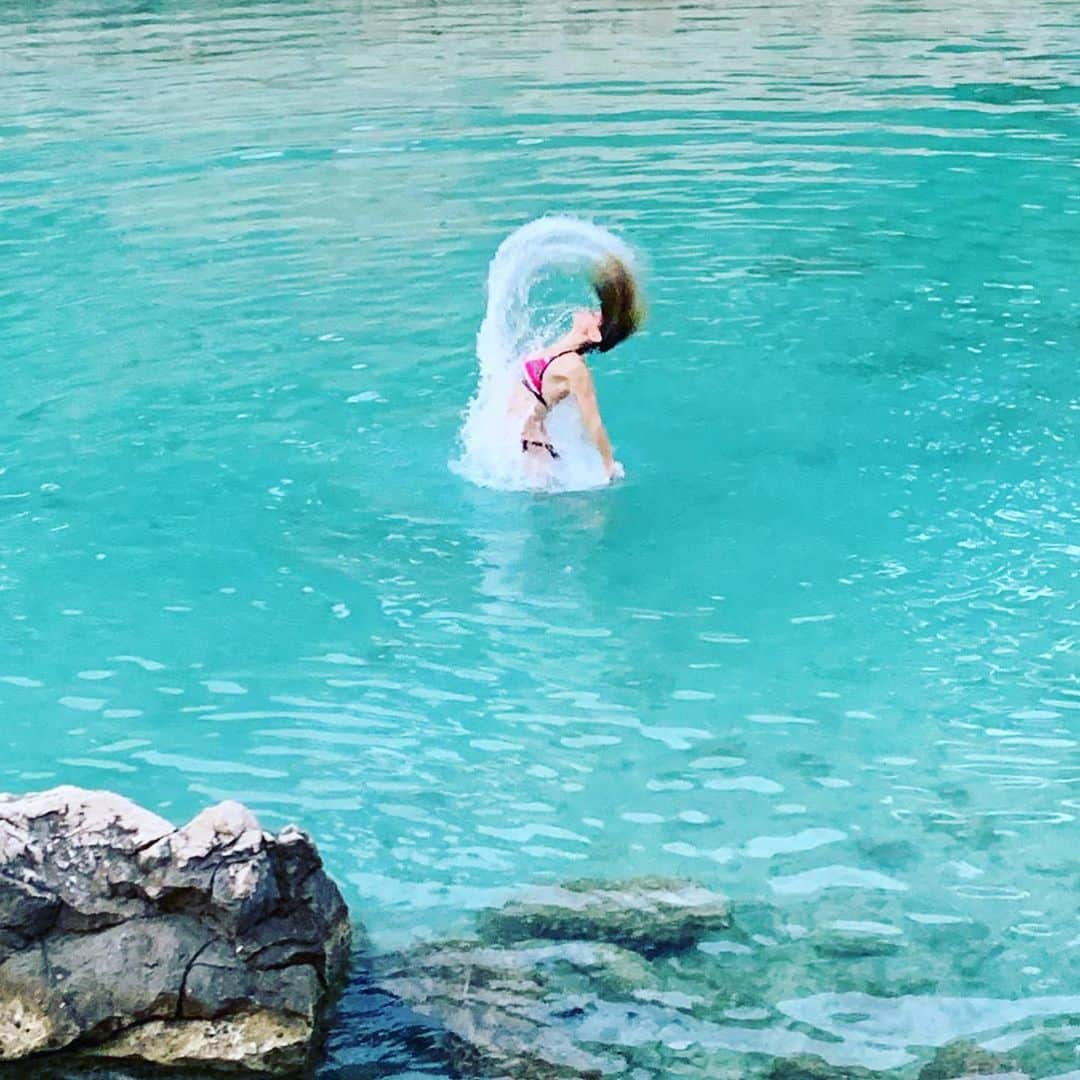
526	255
535	250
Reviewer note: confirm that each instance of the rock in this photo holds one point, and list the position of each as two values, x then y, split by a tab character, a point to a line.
890	855
59	851
260	1041
503	1009
122	937
554	967
1052	1052
852	944
962	1059
649	915
813	1067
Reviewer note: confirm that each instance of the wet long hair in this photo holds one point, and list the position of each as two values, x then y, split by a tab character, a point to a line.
622	309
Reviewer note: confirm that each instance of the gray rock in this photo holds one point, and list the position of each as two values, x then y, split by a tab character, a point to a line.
213	945
60	853
650	915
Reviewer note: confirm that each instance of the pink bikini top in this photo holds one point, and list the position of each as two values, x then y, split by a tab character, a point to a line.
532	373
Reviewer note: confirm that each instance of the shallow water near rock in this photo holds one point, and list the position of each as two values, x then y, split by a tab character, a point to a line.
817	653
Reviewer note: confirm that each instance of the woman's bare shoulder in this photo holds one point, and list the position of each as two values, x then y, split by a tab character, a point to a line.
571	364
577	371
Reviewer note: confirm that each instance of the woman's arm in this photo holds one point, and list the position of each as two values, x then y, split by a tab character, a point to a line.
581	384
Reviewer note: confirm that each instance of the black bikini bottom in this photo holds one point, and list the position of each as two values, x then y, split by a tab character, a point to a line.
528	444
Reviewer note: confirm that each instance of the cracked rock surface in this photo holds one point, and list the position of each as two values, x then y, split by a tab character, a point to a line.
121	936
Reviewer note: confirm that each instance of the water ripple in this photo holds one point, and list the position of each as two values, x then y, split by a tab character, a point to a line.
818	652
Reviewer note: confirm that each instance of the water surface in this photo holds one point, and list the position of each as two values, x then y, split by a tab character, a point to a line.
819	650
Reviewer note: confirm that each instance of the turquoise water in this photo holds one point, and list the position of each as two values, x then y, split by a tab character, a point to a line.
819	649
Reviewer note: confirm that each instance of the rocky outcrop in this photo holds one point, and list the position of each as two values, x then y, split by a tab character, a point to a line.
212	945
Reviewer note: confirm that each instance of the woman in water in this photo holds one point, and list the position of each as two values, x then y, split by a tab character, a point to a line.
560	371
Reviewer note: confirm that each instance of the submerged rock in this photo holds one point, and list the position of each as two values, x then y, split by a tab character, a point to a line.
813	1067
122	937
1052	1052
505	1009
553	968
962	1059
649	915
845	944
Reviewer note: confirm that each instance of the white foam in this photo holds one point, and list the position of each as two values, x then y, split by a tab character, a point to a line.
514	326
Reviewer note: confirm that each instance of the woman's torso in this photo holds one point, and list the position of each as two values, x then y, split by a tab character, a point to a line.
544	382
